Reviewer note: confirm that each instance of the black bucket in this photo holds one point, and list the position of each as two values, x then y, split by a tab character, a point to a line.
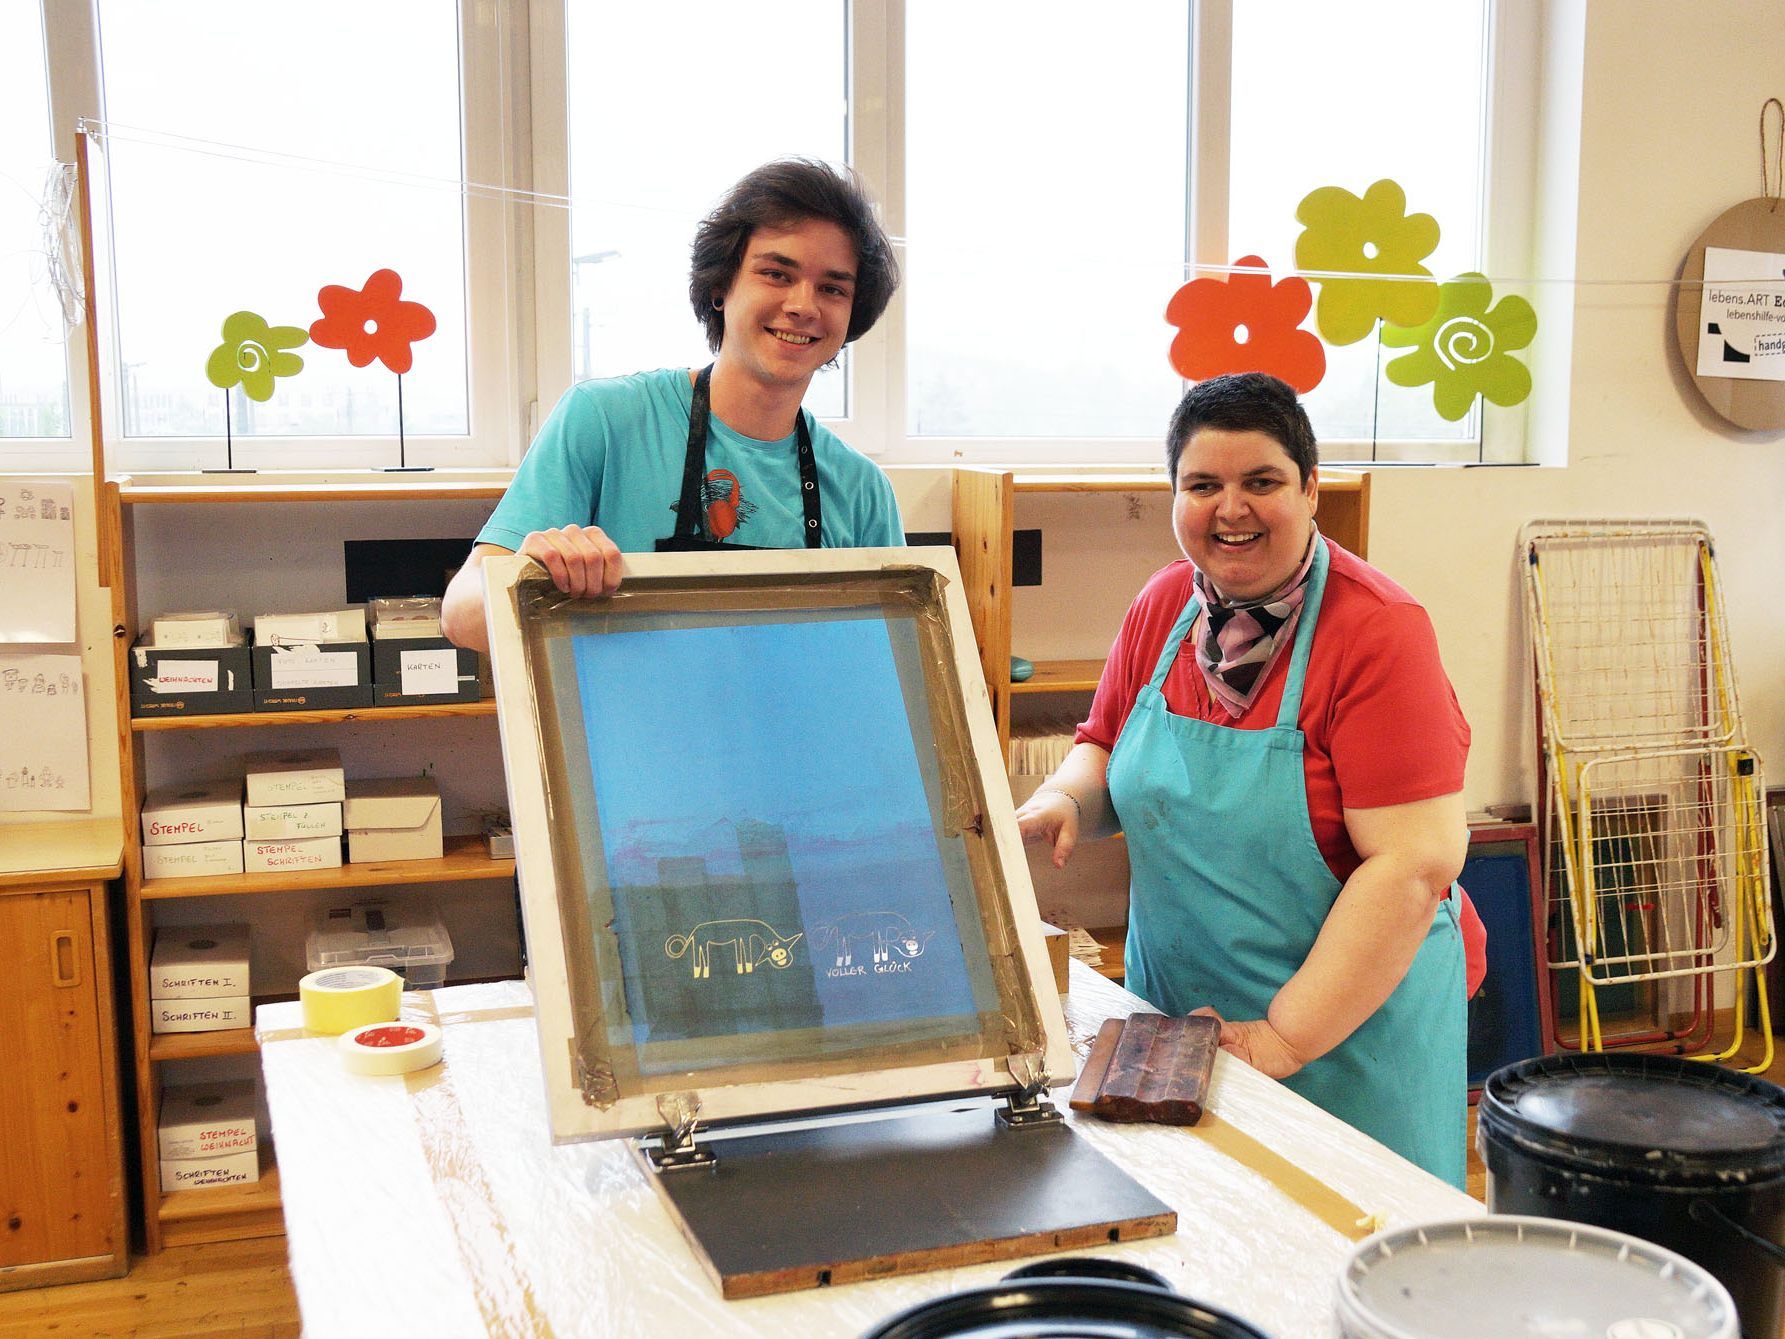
1068	1298
1680	1153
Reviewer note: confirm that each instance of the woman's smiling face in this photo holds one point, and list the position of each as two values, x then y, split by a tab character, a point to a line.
1240	511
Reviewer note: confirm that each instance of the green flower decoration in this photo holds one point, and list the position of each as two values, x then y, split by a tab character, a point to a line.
1465	349
253	354
1374	235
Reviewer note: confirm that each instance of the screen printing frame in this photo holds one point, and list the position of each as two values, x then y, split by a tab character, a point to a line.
579	1110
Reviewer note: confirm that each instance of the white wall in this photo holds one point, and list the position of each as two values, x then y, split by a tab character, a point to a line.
1668	106
93	613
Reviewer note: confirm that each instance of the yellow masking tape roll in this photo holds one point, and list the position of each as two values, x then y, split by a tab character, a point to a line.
338	998
390	1048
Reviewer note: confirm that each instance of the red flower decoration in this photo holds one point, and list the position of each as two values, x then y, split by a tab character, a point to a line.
372	322
1244	323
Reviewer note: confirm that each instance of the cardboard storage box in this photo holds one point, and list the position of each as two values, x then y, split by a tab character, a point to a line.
198	811
406	937
331	625
192	860
498	837
197	1173
295	776
214	1014
290	822
403	616
393	818
207	1120
260	857
210	627
199	962
414	671
190	680
313	676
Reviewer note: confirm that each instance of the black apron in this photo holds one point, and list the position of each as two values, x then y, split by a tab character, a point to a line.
692	534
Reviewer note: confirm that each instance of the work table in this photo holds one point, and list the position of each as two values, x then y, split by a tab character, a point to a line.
436	1203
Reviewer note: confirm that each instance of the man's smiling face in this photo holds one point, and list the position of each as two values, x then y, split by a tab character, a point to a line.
788	308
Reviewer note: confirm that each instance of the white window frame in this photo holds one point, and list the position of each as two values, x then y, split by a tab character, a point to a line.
876	422
517	256
497	360
72	69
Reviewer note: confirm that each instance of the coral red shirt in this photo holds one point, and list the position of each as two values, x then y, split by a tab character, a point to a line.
1380	719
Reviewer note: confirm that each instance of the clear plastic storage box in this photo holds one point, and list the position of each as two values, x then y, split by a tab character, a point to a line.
406	937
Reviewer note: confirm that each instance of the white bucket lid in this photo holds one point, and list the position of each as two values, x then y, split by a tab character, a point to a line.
1512	1277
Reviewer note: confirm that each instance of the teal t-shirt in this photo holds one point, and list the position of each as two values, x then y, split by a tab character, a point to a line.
612	452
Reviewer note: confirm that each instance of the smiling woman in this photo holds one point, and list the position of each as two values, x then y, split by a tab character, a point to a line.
1277	739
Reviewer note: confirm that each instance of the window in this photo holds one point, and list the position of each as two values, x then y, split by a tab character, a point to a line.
1046	179
1050	184
1341	104
535	172
283	157
33	347
639	183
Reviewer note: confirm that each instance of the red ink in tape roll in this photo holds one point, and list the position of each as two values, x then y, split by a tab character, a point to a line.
390	1048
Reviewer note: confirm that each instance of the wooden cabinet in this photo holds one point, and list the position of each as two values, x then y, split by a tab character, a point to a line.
276	536
62	1201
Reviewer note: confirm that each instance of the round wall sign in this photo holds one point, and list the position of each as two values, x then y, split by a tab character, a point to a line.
1734	345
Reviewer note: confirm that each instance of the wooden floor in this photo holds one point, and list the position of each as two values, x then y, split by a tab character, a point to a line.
242	1289
236	1288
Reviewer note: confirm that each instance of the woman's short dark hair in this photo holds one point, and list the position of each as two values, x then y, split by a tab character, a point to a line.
775	195
1243	402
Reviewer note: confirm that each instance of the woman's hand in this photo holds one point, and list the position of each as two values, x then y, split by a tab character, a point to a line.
1257	1043
1051	817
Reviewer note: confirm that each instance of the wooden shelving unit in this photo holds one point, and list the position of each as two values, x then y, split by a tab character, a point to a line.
233	1212
350	486
464	859
248	720
165	1046
223	1213
1061	676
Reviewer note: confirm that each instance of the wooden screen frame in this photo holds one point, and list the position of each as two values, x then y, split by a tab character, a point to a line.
572	1117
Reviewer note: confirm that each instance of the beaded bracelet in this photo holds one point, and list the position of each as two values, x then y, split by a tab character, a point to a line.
1077	809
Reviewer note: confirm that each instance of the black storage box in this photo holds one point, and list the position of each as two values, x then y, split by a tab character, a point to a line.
190	680
285	677
391	655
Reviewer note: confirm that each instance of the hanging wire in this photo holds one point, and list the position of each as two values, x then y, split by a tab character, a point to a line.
1772	185
61	249
118	132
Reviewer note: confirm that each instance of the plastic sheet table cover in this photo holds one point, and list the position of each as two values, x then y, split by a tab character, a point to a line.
436	1204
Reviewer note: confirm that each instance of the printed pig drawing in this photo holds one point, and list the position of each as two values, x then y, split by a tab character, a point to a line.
751	942
885	932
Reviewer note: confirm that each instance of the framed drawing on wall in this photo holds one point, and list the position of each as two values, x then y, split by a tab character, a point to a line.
766	852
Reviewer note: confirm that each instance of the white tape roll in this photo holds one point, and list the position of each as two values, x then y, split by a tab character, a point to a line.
338	998
390	1048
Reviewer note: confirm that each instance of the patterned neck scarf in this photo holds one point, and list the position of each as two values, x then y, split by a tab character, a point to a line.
1241	639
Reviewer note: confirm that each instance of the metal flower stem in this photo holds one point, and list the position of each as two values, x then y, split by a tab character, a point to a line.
402	459
229	448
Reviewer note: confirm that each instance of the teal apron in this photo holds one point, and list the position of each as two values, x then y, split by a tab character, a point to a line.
1228	891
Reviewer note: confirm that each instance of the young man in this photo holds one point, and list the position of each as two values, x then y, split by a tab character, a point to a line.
787	269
